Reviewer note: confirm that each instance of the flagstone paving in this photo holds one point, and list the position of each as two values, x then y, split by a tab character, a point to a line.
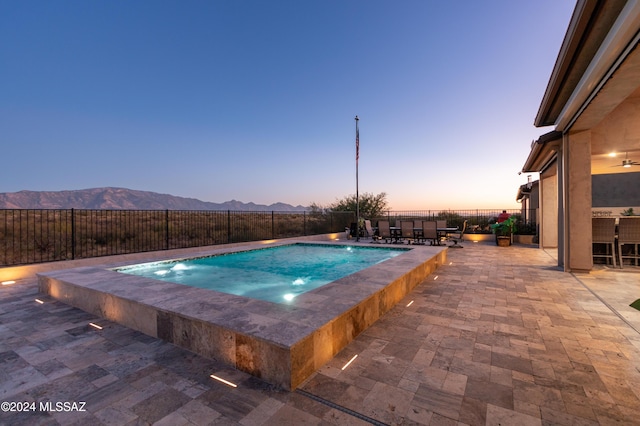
499	336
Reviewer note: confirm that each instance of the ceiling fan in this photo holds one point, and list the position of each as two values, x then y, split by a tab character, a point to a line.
627	162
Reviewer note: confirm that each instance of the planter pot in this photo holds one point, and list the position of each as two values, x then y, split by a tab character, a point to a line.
504	241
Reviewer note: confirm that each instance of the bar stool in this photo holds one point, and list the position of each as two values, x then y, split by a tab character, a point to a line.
629	233
603	231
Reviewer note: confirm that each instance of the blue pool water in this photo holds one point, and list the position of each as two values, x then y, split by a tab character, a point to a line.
275	274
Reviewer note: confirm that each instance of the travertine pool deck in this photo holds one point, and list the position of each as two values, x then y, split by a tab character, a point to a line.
497	336
280	343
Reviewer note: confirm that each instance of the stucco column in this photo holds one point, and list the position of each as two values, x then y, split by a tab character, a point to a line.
549	207
577	201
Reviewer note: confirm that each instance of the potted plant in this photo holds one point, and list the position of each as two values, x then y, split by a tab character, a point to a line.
504	230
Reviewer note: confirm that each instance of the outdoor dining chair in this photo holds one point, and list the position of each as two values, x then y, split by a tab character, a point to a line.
384	230
441	224
430	231
406	230
603	231
628	233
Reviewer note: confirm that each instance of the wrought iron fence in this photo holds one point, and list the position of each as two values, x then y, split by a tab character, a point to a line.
36	236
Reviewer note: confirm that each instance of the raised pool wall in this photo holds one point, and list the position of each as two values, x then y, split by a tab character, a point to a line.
280	343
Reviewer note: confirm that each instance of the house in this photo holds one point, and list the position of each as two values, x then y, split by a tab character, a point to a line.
593	101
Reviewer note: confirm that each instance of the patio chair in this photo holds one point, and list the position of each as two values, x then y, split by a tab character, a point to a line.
441	224
406	230
603	231
384	230
457	237
430	231
369	230
418	236
629	233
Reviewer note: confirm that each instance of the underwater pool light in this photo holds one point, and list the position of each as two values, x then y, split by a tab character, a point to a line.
180	267
289	297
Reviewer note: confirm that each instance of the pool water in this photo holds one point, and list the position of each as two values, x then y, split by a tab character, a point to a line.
275	274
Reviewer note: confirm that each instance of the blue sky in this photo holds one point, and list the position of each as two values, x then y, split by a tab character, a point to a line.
255	100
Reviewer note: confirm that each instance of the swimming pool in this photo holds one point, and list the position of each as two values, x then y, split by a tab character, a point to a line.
274	274
281	343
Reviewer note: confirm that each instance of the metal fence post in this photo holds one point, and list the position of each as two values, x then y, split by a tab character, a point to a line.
273	226
166	229
228	226
73	234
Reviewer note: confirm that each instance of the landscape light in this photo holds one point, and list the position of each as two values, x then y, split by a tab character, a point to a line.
223	381
350	361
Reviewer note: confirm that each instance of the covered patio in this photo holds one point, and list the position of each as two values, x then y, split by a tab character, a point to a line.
589	164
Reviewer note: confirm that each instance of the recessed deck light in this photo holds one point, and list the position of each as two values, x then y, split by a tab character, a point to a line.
39	301
226	382
435	278
95	326
410	303
8	282
350	361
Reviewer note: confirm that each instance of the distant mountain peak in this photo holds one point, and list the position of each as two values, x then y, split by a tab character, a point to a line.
114	198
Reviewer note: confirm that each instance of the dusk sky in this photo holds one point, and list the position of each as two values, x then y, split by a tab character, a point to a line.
255	100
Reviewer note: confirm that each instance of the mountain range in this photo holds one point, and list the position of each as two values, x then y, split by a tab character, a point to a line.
122	198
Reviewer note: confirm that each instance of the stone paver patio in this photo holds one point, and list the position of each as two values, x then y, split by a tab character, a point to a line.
499	336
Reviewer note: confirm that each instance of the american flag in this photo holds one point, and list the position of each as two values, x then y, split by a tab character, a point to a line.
357	142
357	146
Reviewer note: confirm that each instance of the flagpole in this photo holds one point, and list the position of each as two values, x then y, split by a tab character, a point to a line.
357	194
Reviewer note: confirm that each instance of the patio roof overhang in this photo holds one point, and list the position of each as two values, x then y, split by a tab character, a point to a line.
543	152
586	55
598	68
525	191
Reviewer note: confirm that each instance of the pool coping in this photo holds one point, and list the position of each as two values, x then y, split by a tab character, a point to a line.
280	343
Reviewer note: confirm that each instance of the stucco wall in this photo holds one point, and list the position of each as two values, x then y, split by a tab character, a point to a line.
621	126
